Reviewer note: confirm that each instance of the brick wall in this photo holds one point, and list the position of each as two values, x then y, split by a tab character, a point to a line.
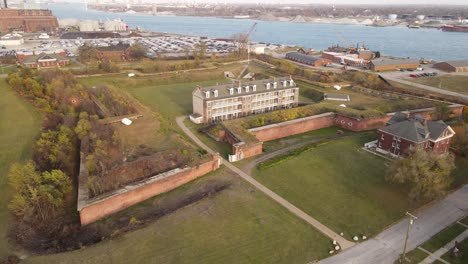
102	206
28	20
294	127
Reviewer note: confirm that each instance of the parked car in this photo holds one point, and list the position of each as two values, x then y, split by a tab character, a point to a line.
413	75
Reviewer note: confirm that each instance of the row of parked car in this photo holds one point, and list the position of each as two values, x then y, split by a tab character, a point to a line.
426	74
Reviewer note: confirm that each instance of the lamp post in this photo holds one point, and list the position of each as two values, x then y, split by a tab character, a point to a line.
410	222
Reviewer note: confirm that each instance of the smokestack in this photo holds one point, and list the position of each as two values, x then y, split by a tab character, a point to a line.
6	5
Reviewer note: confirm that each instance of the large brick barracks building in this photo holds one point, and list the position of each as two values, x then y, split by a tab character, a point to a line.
28	20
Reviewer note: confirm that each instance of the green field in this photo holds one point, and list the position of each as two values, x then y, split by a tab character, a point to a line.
443	237
340	185
19	125
455	83
236	225
416	255
463	259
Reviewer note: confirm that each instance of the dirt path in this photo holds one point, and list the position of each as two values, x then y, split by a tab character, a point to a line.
293	209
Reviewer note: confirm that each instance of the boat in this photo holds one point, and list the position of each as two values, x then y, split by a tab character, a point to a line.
454	28
414	26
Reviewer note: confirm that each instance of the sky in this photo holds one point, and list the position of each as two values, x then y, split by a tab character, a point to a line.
381	2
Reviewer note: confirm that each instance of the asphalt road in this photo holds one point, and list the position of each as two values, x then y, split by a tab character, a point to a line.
425	87
388	245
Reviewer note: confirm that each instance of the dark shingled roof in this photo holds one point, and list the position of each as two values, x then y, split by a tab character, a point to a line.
34	59
297	56
261	87
414	130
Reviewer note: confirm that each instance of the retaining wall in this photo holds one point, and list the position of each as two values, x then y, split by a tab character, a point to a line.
96	208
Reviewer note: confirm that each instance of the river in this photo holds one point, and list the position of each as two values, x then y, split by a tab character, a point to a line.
395	41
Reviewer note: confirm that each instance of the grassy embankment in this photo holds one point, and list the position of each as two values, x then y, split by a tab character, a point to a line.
18	127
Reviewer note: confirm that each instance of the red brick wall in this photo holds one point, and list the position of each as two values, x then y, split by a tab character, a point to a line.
28	20
114	203
293	128
360	124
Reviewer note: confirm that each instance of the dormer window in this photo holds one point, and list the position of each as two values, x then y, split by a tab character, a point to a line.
239	90
231	91
291	82
207	94
285	83
215	93
247	88
268	86
254	87
275	84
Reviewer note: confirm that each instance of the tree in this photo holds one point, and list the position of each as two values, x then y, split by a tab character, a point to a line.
427	173
39	197
86	53
138	51
441	112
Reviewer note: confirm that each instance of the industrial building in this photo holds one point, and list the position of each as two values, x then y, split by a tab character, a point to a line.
452	66
28	20
224	102
307	59
393	64
344	58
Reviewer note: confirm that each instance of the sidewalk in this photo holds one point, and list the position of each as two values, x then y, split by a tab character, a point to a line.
436	255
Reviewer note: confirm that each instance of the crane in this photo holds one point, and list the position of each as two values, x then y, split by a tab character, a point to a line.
344	39
244	40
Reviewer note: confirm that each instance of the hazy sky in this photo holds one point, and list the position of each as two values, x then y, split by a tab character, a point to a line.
386	2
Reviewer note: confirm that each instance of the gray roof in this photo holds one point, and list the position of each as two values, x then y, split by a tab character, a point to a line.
458	63
34	59
414	130
297	56
223	90
384	62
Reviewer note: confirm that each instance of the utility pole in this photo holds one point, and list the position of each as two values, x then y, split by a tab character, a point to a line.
410	222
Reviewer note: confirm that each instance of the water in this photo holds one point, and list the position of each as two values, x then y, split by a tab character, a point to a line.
396	41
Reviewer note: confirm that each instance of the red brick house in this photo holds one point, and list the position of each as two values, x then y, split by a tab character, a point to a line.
403	131
45	61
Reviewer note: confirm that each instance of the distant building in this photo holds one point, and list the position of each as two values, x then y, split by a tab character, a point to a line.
307	59
306	51
45	61
119	52
115	25
88	25
344	58
393	64
224	102
452	66
31	20
404	131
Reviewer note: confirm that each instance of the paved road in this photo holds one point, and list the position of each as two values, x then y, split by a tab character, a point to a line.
425	87
345	244
386	247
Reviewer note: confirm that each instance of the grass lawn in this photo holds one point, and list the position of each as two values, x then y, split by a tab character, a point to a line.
271	146
341	185
464	220
455	83
463	259
443	237
236	225
416	255
438	262
20	124
7	69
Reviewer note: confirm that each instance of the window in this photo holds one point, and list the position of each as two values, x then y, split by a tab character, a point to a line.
239	90
207	94
215	93
254	88
268	86
247	88
208	104
275	84
231	91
